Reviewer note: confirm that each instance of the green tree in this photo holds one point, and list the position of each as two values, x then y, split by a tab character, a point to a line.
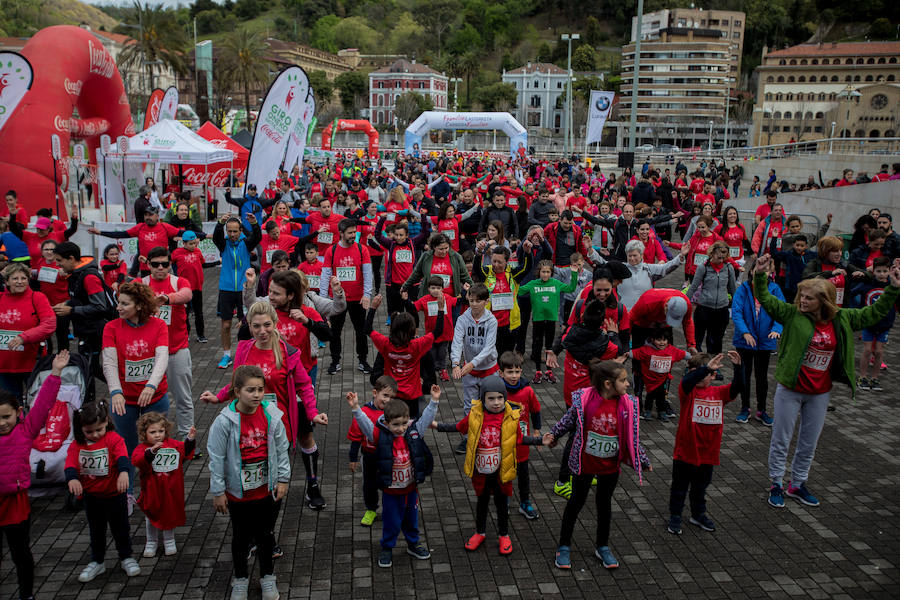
322	34
201	5
545	53
244	54
593	34
354	32
409	106
248	9
160	42
209	21
322	88
406	35
497	96
469	65
464	40
584	58
437	16
351	85
882	29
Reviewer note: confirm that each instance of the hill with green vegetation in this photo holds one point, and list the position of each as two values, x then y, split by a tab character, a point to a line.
23	18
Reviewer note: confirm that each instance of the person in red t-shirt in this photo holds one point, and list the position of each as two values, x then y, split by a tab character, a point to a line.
114	270
312	267
97	469
12	206
150	234
189	264
274	240
699	435
324	224
656	358
428	304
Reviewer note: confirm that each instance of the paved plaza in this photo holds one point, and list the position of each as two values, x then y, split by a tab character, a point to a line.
849	547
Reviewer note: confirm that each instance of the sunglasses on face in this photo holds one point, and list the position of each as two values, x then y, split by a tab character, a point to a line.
159	265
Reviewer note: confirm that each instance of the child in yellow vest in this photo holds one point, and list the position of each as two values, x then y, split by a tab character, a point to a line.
493	433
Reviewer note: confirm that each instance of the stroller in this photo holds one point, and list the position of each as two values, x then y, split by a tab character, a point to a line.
48	454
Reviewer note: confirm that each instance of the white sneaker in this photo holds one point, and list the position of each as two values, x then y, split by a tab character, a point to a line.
150	549
269	589
239	588
90	572
132	502
131	567
170	547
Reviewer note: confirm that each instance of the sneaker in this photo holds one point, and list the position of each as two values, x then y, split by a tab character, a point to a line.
269	589
671	412
475	541
314	498
322	344
132	502
802	494
664	417
334	368
594	480
743	416
563	489
876	387
527	508
445	376
461	447
505	545
863	384
277	552
550	377
202	339
703	522
150	549
883	367
538	377
368	518
90	572
385	558
364	367
606	555
563	560
419	551
239	588
776	496
647	415
674	525
131	567
169	547
225	362
764	418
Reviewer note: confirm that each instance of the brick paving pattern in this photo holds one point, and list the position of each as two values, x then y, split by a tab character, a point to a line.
849	547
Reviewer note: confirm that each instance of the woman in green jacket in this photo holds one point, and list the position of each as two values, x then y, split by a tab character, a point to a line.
439	260
816	349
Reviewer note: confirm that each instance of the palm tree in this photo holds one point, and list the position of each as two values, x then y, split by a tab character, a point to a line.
469	65
161	41
244	53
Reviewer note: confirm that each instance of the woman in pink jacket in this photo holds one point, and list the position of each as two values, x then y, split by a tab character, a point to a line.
16	438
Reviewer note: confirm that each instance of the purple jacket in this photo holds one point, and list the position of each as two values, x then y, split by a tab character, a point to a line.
629	436
15	447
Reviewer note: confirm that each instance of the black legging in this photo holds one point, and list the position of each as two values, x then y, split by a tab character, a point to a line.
525	314
501	502
524	476
695	477
17	536
710	323
358	318
376	272
252	522
581	486
755	360
541	339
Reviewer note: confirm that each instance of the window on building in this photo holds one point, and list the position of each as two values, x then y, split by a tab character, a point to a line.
869	78
803	61
820	115
807	115
807	129
736	35
770	79
812	78
890	78
790	79
856	78
776	115
536	84
834	78
824	61
769	96
737	23
874	133
801	79
871	61
789	97
557	122
535	101
534	119
860	61
892	60
559	85
779	97
788	115
765	128
848	78
781	79
818	129
782	62
890	133
793	61
682	23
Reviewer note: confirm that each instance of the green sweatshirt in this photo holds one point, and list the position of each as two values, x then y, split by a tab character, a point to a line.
545	296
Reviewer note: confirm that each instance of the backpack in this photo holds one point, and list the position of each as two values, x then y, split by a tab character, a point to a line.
109	296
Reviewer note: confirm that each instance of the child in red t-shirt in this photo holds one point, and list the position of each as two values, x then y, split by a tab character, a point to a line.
656	358
428	304
114	270
97	468
699	436
312	266
383	390
160	461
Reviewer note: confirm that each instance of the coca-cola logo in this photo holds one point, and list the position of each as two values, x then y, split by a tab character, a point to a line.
199	176
101	62
218	143
73	87
61	125
271	133
155	104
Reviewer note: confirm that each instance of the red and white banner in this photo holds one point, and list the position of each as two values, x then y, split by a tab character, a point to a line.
169	104
151	116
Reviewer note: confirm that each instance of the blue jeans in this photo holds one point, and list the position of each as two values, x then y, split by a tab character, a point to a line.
399	513
126	425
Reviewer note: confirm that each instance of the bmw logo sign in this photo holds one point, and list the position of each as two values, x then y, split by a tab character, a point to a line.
602	103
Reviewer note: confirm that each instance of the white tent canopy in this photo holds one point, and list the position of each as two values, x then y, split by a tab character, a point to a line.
170	142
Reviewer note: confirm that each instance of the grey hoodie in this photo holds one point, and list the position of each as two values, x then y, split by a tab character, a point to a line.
715	287
475	341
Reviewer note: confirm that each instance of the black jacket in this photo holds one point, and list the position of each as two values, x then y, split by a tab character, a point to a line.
505	215
90	312
419	454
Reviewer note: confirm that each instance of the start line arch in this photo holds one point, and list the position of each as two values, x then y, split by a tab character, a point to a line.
432	119
352	125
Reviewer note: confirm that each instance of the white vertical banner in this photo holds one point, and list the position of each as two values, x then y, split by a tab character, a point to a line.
601	104
297	140
169	105
281	107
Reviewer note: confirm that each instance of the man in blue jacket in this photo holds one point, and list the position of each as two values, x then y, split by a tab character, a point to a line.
235	247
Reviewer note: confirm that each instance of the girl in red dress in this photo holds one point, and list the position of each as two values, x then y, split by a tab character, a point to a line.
160	461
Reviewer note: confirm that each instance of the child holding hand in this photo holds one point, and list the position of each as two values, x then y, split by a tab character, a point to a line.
160	460
97	467
699	436
404	461
656	358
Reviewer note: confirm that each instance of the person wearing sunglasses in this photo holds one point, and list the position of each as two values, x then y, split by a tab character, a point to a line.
172	297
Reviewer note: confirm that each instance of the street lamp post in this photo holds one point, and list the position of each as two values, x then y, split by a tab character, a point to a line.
709	144
455	81
568	37
831	137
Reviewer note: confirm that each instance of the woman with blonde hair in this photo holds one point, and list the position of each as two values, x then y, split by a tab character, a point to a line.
816	349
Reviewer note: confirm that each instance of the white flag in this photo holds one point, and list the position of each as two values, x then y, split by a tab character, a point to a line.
601	104
297	139
169	104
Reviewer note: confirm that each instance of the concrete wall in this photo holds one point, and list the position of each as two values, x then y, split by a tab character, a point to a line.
798	169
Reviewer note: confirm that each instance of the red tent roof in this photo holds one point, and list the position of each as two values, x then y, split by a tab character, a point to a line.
216	175
216	136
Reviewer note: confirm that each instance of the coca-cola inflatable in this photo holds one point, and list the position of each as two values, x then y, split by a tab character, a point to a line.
60	69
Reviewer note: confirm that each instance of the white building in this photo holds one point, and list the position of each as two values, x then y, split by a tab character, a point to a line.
388	83
538	86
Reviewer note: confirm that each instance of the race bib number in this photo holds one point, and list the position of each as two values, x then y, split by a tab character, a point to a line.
734	252
47	274
513	264
6	337
661	364
450	233
444	278
487	460
602	446
138	371
165	461
269	254
94	462
817	360
502	301
270	397
401	475
513	201
700	259
346	273
707	412
431	309
325	237
254	475
391	217
404	256
165	313
313	281
839	297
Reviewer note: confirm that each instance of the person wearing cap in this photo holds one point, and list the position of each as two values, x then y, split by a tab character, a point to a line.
150	234
189	265
662	307
45	231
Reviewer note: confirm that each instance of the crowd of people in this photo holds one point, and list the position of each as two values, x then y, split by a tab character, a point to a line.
470	253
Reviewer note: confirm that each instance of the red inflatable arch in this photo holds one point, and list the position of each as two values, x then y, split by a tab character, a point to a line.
353	125
72	70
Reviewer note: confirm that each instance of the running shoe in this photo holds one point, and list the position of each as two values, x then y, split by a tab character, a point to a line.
169	547
764	418
445	376
385	558
606	555
876	386
505	545
334	367
225	362
802	494
131	567
368	518
527	508
883	367
743	416
863	384
550	377
364	367
776	496
664	417
461	447
703	522
277	552
314	498
563	559
537	378
563	489
674	525
647	416
202	339
475	541
239	588
419	551
269	589
91	571
150	549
